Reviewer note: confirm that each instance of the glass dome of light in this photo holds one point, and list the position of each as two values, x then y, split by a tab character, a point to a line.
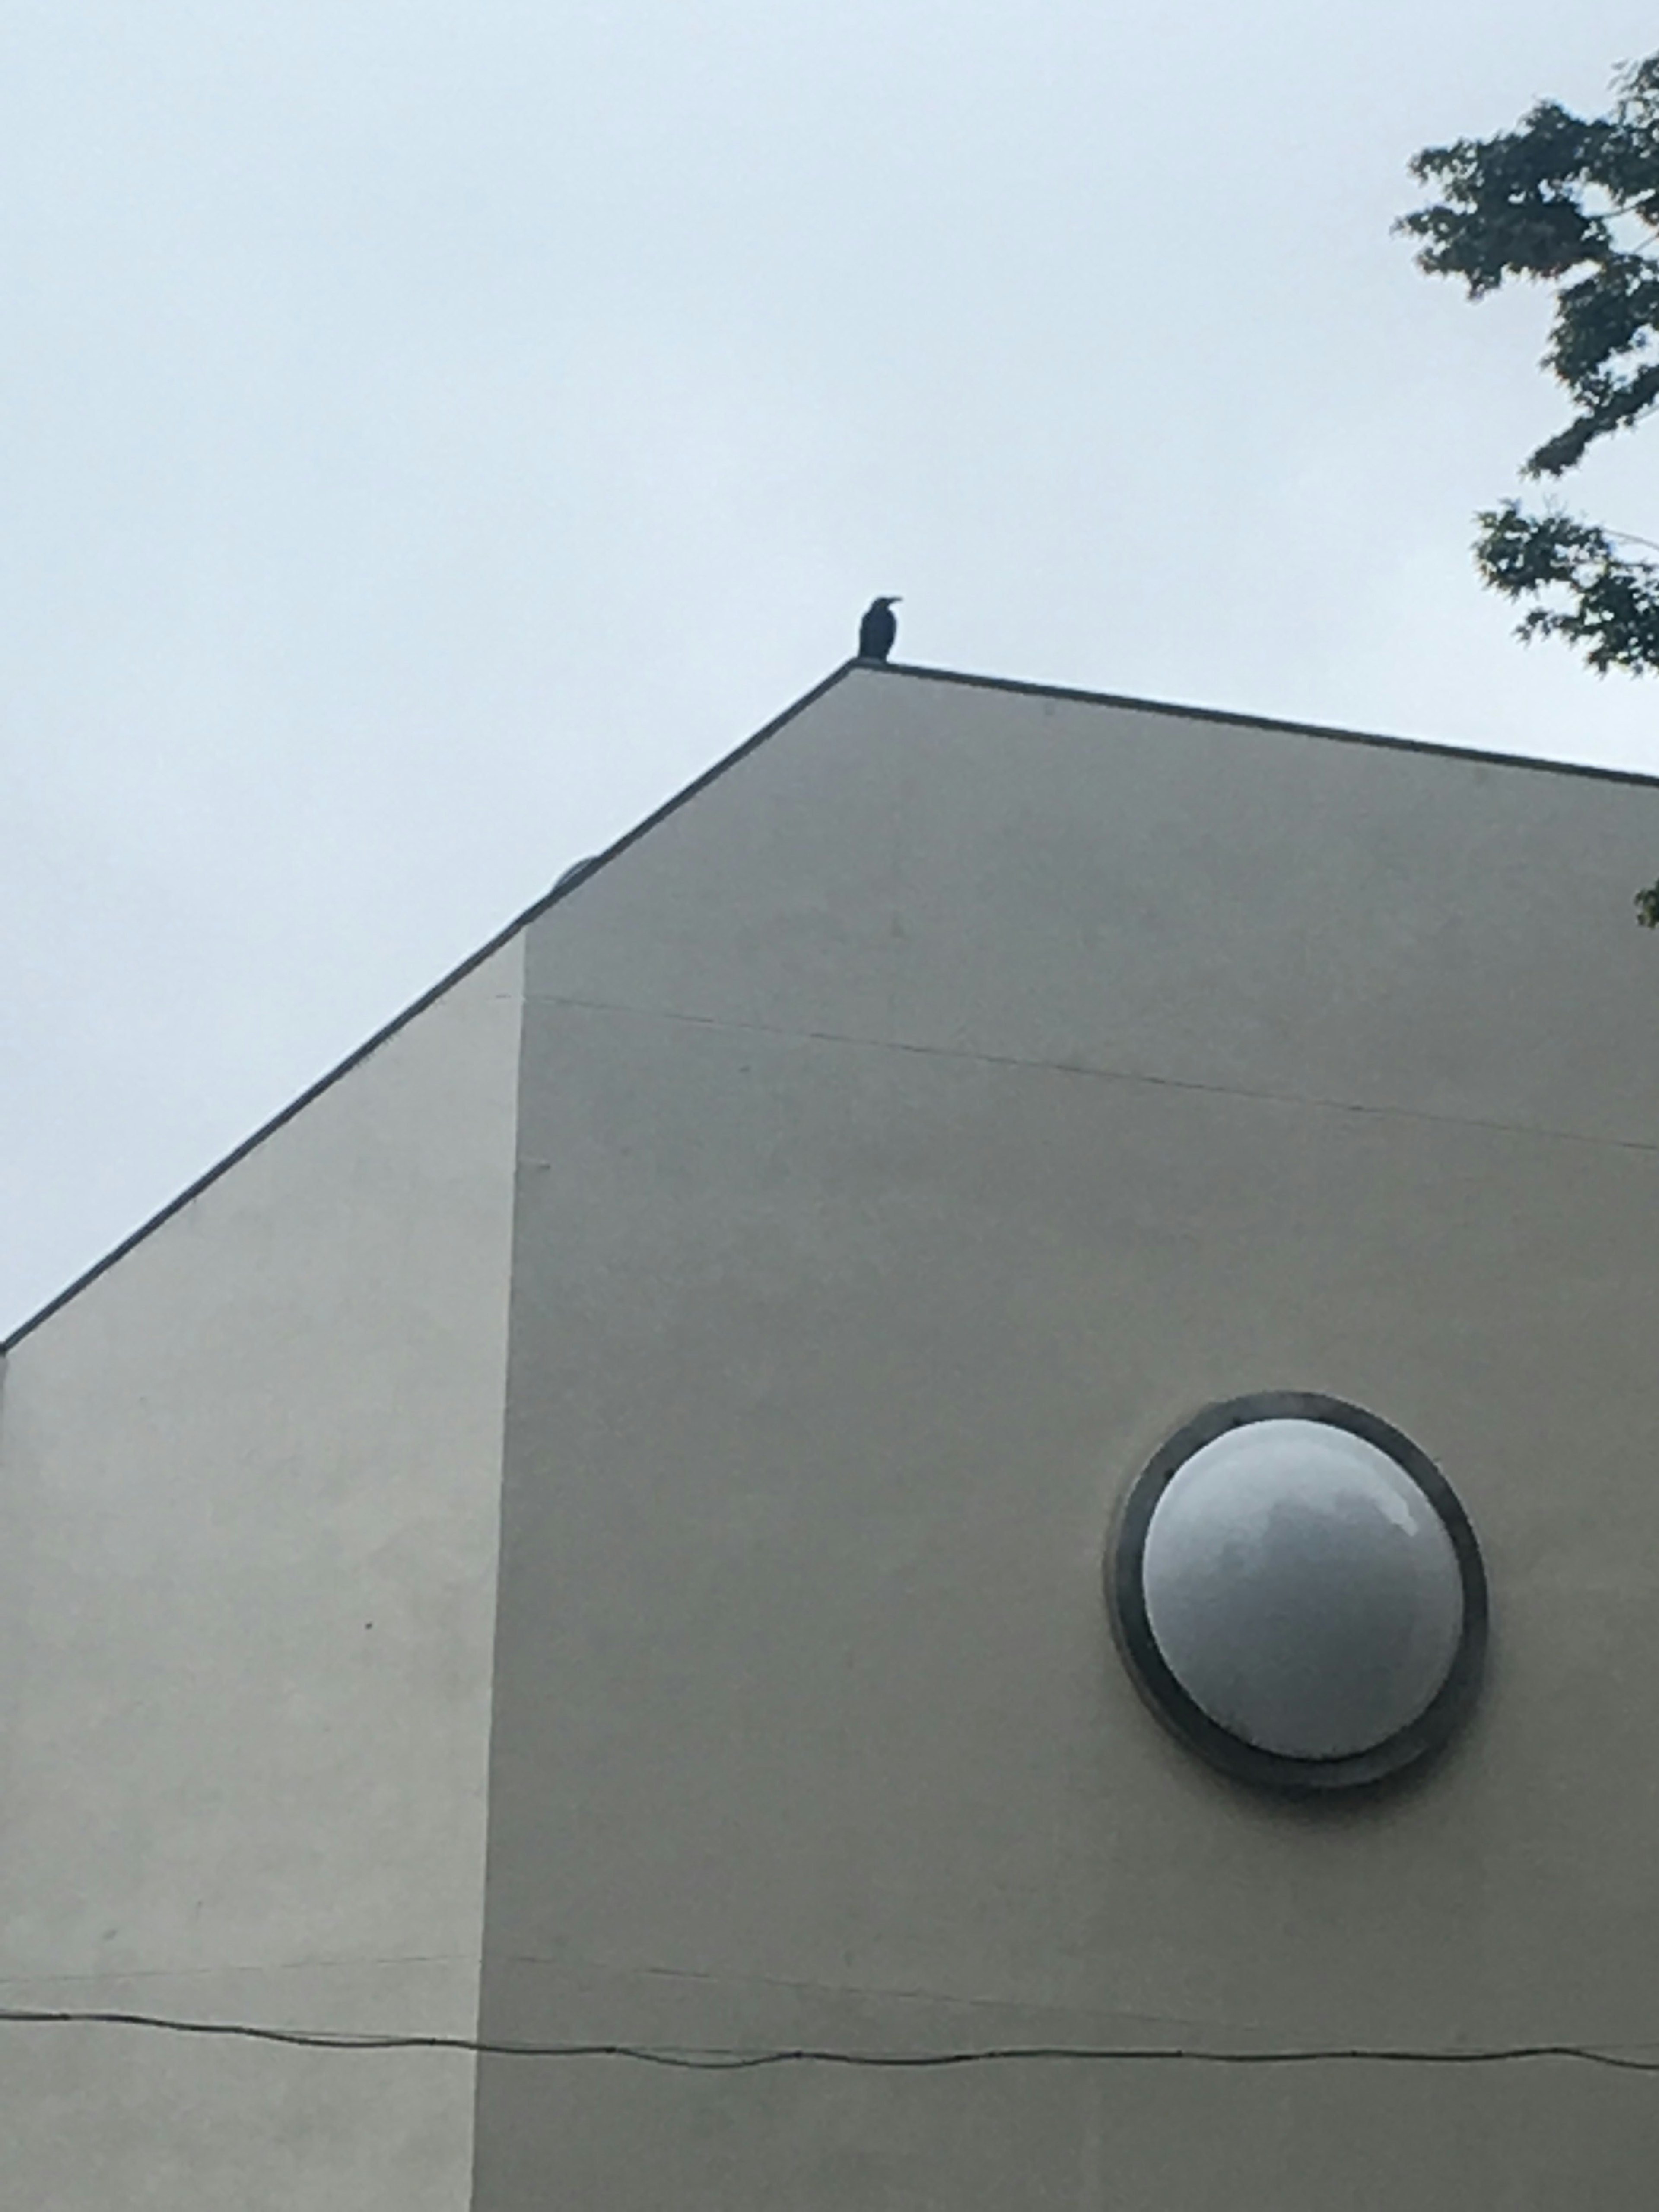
1301	1589
1298	1592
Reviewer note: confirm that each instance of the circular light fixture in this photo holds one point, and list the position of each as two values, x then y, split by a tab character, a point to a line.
1298	1593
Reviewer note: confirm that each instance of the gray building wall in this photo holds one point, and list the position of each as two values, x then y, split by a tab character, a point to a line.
249	1481
916	1127
788	1247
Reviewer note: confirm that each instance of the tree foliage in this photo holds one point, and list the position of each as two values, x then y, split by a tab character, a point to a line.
1571	202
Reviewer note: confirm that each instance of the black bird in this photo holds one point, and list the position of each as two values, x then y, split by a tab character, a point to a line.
877	629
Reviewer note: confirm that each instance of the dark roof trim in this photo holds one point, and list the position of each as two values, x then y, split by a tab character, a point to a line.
570	881
574	877
1471	753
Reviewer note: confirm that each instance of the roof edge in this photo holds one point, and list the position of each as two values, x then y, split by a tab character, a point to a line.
1477	754
570	881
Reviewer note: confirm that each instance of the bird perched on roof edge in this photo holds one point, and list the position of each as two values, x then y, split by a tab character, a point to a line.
877	629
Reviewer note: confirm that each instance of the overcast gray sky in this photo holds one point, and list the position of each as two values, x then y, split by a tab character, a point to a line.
435	430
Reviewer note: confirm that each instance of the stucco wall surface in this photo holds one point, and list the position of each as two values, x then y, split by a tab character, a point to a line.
249	1482
947	866
916	1127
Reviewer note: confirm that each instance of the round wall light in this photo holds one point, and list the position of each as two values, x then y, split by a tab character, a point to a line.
1298	1593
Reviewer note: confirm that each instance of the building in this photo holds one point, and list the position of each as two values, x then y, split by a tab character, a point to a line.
590	1530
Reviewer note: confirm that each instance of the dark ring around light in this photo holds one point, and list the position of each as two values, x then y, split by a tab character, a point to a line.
1153	1677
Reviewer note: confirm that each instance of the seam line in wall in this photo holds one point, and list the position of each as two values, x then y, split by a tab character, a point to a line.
1103	1074
878	1993
346	1964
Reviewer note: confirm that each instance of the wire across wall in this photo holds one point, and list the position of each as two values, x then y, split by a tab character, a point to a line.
720	2060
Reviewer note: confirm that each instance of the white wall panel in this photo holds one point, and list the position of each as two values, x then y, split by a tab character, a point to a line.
248	1524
